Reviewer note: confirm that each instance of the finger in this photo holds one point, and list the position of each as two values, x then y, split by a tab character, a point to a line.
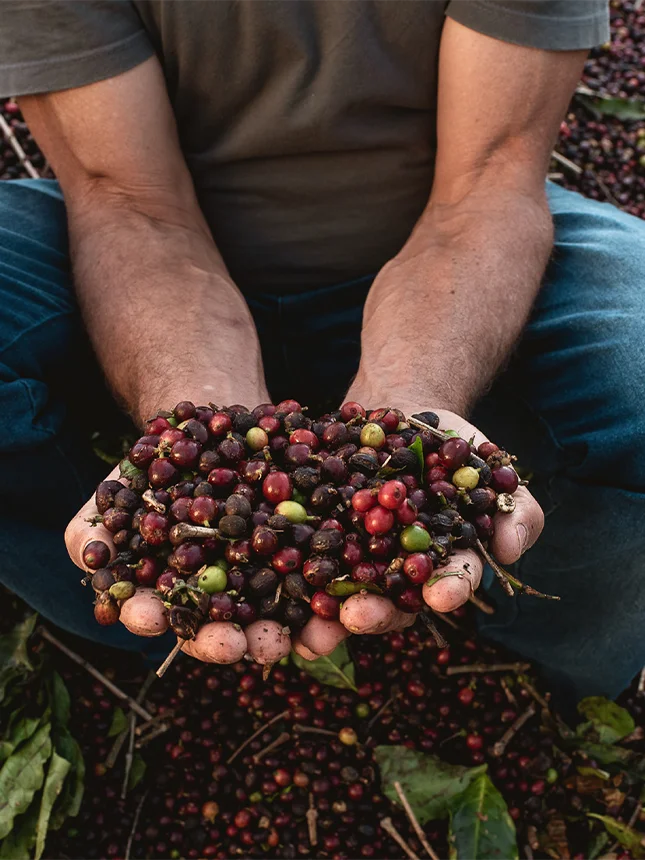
319	637
517	531
368	613
79	532
459	578
267	641
144	613
217	642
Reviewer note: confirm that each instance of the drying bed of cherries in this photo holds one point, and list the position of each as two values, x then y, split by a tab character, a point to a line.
196	804
235	515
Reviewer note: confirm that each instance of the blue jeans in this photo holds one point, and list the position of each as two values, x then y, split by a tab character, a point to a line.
570	404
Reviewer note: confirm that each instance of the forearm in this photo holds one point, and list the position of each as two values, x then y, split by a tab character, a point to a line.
442	317
165	319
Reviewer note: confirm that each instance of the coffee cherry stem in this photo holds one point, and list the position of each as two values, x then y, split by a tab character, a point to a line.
484	607
434	632
152	503
421	425
186	531
507	581
162	669
414	822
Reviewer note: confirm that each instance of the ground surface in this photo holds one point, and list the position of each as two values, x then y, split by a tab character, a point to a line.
192	803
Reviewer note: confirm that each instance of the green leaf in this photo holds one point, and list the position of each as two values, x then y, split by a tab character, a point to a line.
429	783
452	433
480	826
593	771
69	801
14	657
619	758
417	447
609	721
58	770
623	109
137	772
21	776
336	670
20	732
128	470
19	843
597	845
629	838
119	723
60	702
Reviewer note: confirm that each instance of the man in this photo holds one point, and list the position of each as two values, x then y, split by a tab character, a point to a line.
252	187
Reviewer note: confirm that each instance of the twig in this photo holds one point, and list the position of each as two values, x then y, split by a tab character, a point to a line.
507	580
162	669
159	729
530	689
414	822
313	730
605	190
377	716
438	638
312	818
484	607
14	143
154	722
129	757
507	692
528	853
632	821
121	738
566	163
640	691
509	734
132	704
390	829
281	739
263	728
133	829
448	620
421	425
484	668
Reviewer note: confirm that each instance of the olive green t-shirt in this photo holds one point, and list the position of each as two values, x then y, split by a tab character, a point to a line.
308	125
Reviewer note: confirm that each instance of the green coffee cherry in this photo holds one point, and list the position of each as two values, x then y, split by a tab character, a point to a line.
372	436
212	580
466	478
257	439
415	539
123	590
293	511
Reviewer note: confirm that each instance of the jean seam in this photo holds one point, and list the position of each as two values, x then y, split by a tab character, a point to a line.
42	429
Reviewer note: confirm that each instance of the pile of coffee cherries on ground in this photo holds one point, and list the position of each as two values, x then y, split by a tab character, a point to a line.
237	515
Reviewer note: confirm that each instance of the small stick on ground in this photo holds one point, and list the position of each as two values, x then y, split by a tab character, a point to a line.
154	722
570	165
484	607
129	757
484	668
377	716
390	829
508	692
121	738
530	689
448	620
312	818
281	739
262	729
159	729
14	143
313	730
133	829
414	822
432	629
162	669
81	661
507	580
499	747
640	691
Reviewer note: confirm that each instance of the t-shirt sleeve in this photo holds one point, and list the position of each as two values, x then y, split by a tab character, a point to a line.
555	25
48	45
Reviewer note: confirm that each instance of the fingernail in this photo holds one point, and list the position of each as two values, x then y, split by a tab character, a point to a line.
522	536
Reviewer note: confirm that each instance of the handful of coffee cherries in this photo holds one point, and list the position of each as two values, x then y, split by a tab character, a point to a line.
233	515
